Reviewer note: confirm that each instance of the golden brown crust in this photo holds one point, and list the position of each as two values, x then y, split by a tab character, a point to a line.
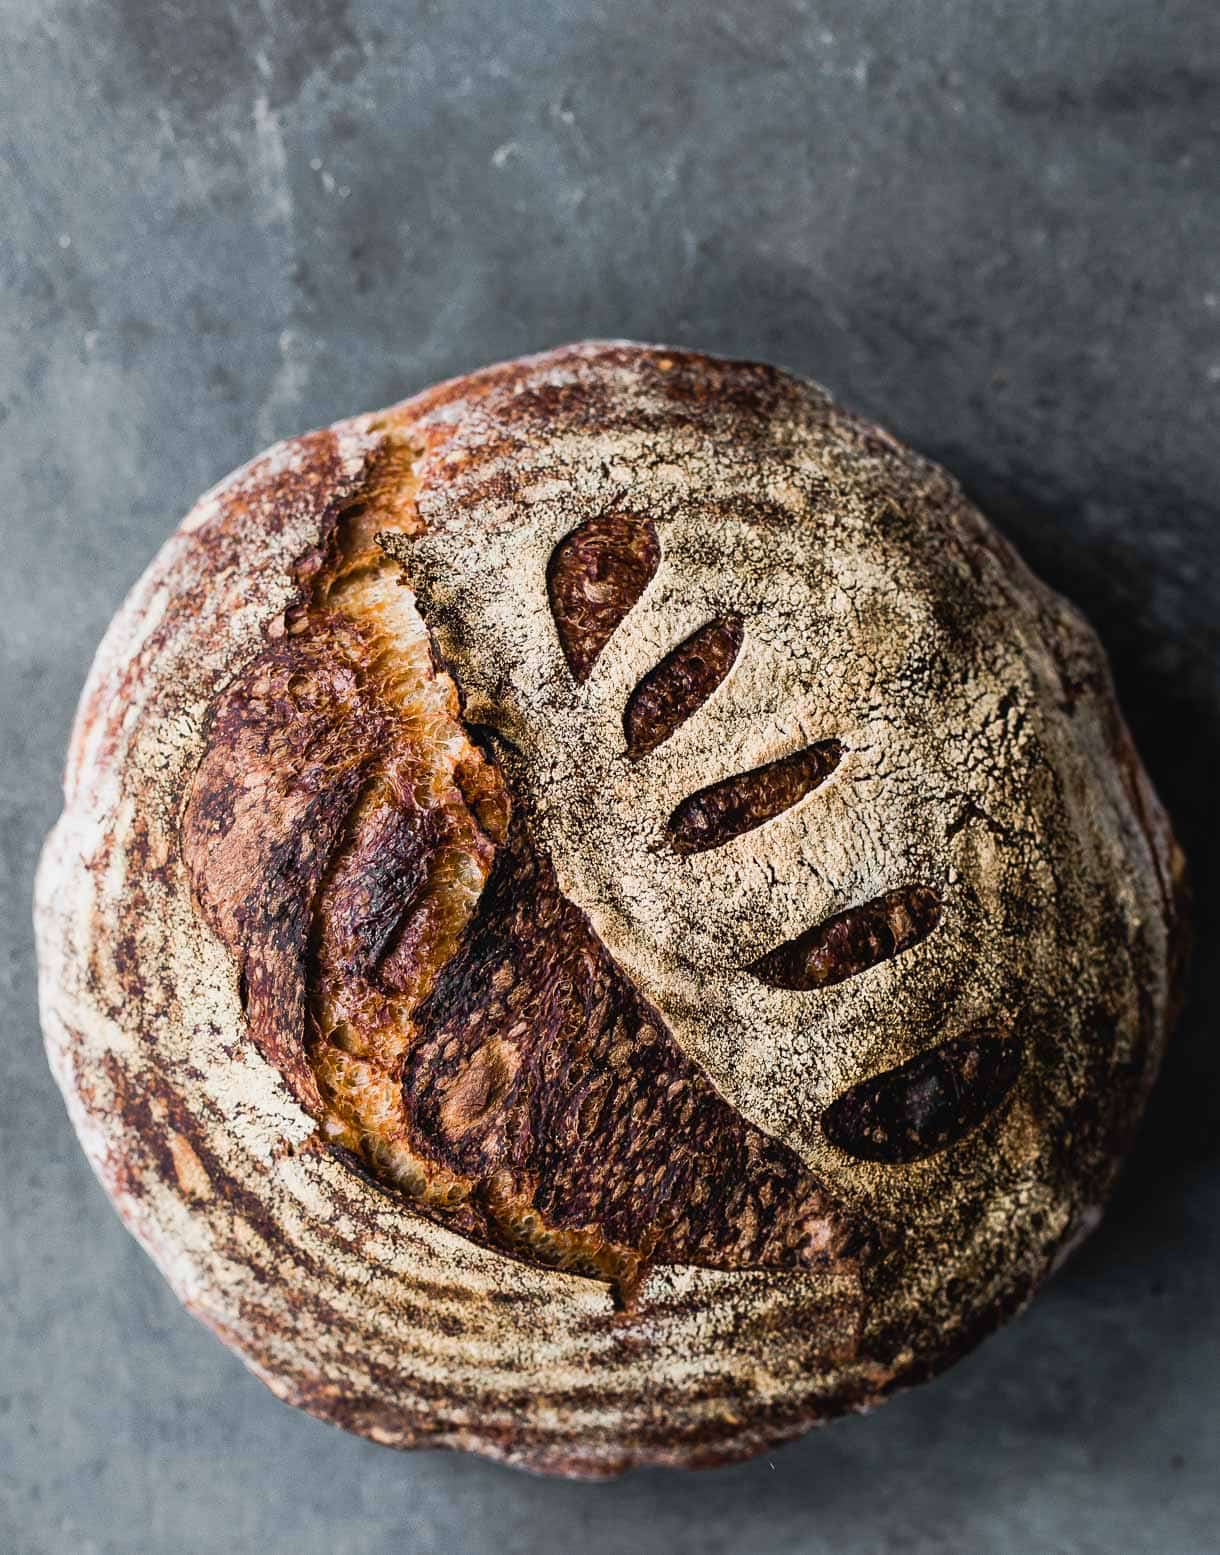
978	891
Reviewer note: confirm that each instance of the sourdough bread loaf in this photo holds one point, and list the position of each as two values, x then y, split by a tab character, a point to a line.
602	916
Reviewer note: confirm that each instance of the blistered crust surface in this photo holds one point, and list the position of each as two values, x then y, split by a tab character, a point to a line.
981	758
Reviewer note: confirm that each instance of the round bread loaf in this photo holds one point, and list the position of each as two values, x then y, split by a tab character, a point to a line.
602	916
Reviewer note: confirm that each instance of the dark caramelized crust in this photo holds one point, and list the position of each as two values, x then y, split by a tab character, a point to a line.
291	745
541	1073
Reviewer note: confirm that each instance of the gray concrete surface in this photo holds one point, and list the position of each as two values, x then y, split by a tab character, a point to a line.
996	226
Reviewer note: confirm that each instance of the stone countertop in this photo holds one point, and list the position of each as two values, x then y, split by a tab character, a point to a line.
995	228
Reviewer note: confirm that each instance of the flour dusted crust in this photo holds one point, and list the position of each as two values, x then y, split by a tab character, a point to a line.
602	916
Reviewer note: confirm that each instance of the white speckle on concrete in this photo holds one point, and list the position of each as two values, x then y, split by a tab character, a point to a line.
275	414
270	166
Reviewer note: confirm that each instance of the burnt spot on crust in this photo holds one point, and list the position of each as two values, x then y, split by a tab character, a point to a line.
724	810
680	684
596	574
853	941
928	1103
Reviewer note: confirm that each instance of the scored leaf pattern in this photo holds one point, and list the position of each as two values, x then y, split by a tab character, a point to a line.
596	575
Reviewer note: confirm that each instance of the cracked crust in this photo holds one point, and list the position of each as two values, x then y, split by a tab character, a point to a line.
333	843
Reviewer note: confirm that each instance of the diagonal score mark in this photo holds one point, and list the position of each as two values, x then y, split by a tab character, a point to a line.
716	814
851	942
928	1103
680	684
